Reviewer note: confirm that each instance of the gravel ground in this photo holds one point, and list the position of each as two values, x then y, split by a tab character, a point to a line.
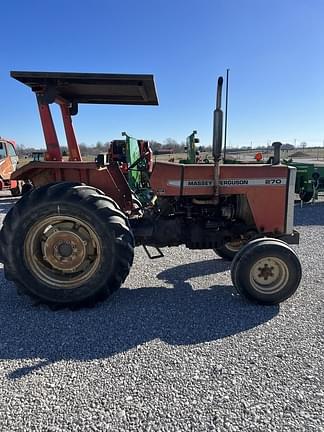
175	350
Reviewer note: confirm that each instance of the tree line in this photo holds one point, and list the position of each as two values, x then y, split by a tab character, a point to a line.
99	147
169	143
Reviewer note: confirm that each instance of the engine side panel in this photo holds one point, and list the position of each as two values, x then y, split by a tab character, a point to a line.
265	186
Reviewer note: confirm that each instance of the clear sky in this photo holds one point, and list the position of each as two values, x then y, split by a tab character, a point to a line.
274	49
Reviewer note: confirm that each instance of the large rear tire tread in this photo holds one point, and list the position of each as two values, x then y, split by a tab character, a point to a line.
107	217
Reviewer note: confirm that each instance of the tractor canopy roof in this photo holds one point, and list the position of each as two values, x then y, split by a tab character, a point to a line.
93	88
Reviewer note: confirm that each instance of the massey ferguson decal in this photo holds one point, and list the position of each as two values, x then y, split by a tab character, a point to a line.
235	182
203	183
191	183
253	182
229	182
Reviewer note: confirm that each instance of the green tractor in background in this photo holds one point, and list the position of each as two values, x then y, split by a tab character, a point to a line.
193	154
309	179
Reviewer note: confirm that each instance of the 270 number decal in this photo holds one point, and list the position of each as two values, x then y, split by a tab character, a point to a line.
273	181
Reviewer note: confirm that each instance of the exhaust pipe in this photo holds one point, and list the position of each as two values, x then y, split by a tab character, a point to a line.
276	153
217	138
218	123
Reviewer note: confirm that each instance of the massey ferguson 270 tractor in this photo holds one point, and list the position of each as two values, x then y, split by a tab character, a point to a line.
70	240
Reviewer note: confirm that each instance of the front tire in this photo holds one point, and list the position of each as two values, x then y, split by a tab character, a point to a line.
267	271
66	244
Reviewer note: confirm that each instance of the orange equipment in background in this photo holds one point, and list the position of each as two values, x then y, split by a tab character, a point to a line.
8	164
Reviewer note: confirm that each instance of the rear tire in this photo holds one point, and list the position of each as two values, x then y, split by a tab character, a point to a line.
267	271
66	244
228	250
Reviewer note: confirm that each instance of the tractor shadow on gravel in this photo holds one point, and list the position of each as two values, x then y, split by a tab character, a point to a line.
176	314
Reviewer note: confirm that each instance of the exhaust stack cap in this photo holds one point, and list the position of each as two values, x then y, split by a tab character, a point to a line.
276	153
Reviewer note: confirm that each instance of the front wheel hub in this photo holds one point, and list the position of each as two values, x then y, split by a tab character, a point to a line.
269	275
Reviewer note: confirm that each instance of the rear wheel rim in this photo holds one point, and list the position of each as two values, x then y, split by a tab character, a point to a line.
62	251
269	275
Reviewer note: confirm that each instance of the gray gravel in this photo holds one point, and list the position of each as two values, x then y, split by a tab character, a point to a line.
175	350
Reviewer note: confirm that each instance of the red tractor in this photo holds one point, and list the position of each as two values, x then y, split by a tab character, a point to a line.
70	240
